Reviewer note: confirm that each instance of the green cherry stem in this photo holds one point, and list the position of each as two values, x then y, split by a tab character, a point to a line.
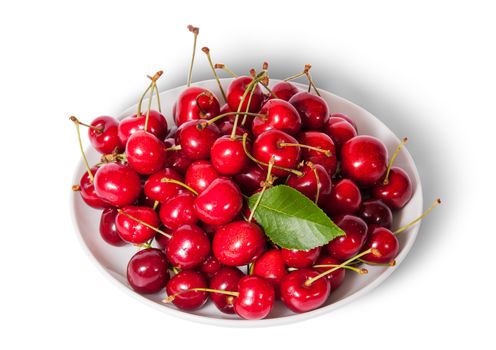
407	226
393	157
311	84
213	120
225	69
296	76
172	181
319	184
326	152
195	31
206	50
85	160
140	102
267	183
150	98
120	211
171	298
360	271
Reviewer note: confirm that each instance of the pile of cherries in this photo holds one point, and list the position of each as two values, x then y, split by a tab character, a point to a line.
179	193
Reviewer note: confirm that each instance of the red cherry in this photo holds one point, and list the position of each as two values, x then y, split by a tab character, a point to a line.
163	240
397	191
210	266
386	244
271	266
87	191
145	153
133	231
300	258
147	271
319	140
344	117
196	103
314	179
345	198
161	191
226	126
278	114
117	184
225	109
196	137
178	211
219	203
238	243
176	159
157	125
298	296
375	212
200	175
339	130
227	156
108	228
188	247
250	178
344	247
104	135
364	160
235	93
227	278
313	110
256	298
335	278
184	281
284	90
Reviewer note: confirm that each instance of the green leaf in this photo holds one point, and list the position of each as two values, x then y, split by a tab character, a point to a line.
291	220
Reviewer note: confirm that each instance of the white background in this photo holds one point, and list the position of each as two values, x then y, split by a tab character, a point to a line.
427	69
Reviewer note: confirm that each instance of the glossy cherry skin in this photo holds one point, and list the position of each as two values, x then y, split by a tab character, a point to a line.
235	93
339	131
162	240
219	203
376	212
271	266
300	258
132	231
385	242
88	193
147	271
200	175
157	125
196	137
278	114
195	103
364	160
345	198
268	145
106	139
238	243
226	126
108	228
284	90
186	280
227	278
301	298
176	159
398	190
344	117
210	266
324	142
256	298
117	184
162	191
308	183
178	210
250	178
188	247
228	156
344	247
313	110
145	153
335	278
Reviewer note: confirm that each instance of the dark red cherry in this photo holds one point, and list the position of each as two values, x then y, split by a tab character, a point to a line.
284	90
300	258
161	191
163	240
195	103
210	266
227	278
157	125
335	278
200	175
184	281
364	160
238	243
386	244
344	247
339	130
196	137
178	211
147	271
250	178
133	231
188	247
145	153
117	184
271	266
176	159
256	298
319	140
397	191
108	228
104	136
88	193
226	126
375	212
298	296
219	203
313	110
344	117
345	198
227	156
235	93
314	179
278	114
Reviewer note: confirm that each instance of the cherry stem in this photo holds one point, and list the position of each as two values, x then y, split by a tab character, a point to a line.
360	271
325	273
172	181
96	128
305	71
213	120
85	160
393	157
293	171
155	205
170	298
311	84
76	188
403	228
150	98
195	31
319	185
158	99
248	106
173	148
224	68
120	211
153	79
267	183
207	52
327	152
390	264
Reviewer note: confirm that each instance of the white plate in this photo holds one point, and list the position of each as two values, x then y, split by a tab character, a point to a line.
113	260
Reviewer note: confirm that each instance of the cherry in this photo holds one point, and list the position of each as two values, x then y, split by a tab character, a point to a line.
269	144
250	178
271	266
313	110
103	135
300	297
129	222
117	184
145	153
225	109
163	240
339	130
178	211
87	191
255	299
211	266
386	244
176	159
278	114
196	137
226	128
200	175
345	198
180	286
375	212
396	191
284	90
147	271
344	247
196	103
227	278
235	93
161	191
238	243
157	125
344	117
319	140
314	182
188	247
364	160
108	228
219	203
227	156
300	258
335	278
